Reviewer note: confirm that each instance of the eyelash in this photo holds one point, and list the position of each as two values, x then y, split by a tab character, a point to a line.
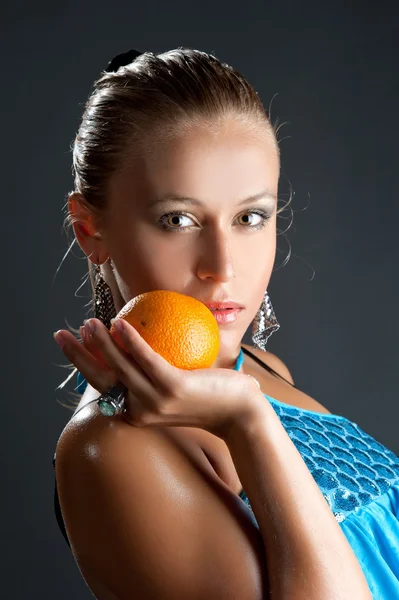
265	217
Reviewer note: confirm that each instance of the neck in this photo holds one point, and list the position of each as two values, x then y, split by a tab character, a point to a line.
227	361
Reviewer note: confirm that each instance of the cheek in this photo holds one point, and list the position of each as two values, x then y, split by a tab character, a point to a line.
150	263
262	270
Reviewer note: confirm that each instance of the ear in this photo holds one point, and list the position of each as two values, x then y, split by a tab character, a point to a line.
86	232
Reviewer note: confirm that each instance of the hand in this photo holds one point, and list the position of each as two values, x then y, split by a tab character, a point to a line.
159	394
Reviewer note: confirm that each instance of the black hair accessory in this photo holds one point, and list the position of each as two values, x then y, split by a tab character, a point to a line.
120	60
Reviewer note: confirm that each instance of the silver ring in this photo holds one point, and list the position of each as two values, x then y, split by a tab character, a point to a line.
254	378
112	402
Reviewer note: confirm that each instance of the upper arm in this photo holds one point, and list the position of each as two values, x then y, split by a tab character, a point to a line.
148	524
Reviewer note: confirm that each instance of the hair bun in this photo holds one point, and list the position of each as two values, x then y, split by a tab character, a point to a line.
121	60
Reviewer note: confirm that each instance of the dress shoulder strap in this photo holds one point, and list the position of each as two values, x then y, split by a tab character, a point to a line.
269	369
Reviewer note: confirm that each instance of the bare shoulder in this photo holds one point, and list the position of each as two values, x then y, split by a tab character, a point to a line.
280	390
271	360
147	519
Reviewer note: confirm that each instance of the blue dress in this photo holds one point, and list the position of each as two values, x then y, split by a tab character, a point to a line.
358	477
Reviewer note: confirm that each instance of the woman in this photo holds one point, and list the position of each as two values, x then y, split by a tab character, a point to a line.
176	177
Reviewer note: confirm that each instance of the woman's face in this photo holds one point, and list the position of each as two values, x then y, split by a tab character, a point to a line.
214	247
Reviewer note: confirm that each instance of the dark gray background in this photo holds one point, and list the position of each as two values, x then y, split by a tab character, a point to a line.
334	68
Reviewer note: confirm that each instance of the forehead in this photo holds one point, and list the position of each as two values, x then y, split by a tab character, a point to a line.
224	167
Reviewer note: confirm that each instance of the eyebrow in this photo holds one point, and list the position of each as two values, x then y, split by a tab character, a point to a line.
264	195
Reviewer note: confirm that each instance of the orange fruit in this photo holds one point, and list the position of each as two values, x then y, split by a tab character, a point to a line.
180	328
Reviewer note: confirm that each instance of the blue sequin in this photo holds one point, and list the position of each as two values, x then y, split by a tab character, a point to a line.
350	467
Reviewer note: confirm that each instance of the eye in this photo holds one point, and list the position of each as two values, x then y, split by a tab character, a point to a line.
264	217
170	221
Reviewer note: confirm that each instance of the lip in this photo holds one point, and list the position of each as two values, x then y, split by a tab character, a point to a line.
226	316
223	305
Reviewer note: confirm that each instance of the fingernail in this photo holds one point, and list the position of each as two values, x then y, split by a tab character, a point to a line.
82	332
119	325
59	338
91	326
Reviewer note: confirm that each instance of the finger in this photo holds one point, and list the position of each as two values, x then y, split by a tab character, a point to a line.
117	338
87	341
162	374
98	376
125	367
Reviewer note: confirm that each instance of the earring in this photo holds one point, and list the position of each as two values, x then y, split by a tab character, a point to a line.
264	324
104	308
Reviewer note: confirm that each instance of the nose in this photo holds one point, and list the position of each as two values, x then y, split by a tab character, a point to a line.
216	260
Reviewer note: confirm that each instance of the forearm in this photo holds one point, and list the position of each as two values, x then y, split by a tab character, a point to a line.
308	556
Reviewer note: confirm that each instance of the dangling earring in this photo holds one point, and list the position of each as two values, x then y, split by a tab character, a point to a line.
104	308
264	324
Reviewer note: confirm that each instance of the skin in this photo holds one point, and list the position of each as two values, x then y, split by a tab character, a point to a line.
221	255
217	257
